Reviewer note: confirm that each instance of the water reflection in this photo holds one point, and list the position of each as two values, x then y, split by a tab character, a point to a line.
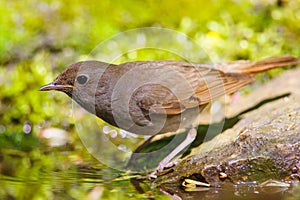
62	174
232	192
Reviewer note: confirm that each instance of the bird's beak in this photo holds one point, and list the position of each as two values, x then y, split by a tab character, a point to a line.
54	86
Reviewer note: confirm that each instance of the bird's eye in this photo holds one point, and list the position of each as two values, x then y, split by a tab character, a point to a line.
82	79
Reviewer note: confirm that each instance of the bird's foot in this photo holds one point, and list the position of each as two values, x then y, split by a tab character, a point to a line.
191	135
161	166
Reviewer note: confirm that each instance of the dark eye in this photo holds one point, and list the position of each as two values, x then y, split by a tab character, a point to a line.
82	79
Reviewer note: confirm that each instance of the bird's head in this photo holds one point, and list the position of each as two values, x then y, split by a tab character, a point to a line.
79	81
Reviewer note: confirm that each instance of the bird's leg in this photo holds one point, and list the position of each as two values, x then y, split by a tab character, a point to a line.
191	135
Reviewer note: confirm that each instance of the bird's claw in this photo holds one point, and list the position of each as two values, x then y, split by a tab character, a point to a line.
161	166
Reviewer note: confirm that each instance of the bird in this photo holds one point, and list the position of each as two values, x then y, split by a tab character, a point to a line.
157	97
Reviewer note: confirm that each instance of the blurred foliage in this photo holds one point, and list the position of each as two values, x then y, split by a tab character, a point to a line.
38	39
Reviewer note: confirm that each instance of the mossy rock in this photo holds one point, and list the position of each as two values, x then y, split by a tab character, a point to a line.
264	145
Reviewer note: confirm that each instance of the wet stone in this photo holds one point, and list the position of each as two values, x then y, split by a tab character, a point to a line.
263	145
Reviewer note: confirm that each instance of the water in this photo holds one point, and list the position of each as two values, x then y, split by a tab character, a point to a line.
61	174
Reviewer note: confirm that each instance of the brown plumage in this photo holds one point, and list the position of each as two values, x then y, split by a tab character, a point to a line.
136	96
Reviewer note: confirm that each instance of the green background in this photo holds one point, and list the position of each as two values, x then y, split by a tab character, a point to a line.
38	39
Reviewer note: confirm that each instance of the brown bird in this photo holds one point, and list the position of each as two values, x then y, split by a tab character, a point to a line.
155	97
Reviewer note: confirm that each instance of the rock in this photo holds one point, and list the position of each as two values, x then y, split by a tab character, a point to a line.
264	145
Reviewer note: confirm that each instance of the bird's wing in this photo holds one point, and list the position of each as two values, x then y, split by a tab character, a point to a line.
156	98
182	85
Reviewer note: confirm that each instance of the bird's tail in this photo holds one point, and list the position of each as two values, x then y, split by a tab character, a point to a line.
249	67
